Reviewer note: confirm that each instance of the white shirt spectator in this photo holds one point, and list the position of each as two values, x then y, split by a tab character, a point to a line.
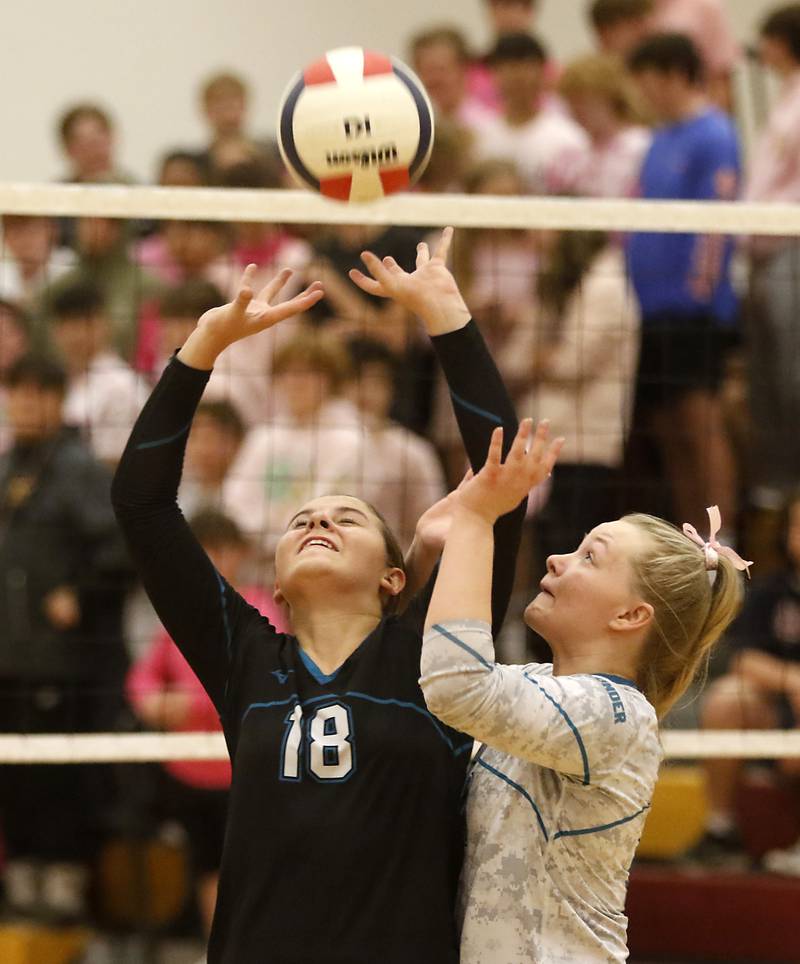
610	169
104	402
537	147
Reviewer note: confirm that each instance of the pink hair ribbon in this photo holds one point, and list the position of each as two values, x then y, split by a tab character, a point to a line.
713	549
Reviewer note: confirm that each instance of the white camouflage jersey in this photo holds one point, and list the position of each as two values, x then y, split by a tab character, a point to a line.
557	800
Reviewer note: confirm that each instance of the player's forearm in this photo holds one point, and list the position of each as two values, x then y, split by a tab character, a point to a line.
420	561
463	587
481	402
201	350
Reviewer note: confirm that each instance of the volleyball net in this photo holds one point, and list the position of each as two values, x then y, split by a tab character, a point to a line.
137	246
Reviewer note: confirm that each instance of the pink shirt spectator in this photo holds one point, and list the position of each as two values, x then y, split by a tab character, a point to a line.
775	166
707	23
163	667
610	169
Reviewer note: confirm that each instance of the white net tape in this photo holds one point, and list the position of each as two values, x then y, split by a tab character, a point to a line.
435	210
153	747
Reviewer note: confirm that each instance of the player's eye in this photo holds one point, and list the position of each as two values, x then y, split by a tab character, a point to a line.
298	524
346	520
589	556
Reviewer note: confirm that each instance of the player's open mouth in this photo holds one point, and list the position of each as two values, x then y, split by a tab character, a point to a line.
319	541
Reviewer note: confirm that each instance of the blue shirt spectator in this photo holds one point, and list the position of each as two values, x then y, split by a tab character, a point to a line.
695	159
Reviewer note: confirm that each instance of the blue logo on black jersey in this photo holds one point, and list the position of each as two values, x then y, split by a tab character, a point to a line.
280	676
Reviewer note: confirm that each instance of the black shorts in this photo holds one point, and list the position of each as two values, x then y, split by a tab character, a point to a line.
681	354
202	814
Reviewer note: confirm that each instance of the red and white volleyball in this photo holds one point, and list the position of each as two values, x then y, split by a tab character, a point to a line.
355	125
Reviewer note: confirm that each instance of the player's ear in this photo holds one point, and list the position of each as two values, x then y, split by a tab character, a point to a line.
277	596
638	616
393	581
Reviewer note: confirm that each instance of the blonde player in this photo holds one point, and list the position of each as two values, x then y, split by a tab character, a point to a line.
560	788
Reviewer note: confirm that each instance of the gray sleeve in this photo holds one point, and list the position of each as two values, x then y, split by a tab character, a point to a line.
576	725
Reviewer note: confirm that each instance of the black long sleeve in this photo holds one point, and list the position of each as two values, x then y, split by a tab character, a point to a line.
201	612
481	404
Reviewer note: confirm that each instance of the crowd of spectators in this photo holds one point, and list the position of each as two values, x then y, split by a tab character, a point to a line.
671	373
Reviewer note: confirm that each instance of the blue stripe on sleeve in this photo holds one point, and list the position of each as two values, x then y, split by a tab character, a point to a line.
475	408
605	826
515	786
454	639
570	724
164	441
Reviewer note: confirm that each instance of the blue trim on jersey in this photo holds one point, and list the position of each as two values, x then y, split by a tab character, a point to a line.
569	723
164	441
454	639
407	706
315	671
605	826
518	788
475	408
617	679
224	608
294	698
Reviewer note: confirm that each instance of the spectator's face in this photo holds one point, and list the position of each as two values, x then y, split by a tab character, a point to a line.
593	112
228	559
78	340
181	172
373	391
173	332
661	91
774	54
33	412
225	112
90	147
503	183
98	236
13	340
29	239
511	16
210	450
519	83
305	389
623	37
194	245
441	71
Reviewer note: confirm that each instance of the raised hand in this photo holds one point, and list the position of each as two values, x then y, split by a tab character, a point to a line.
246	315
434	524
430	292
500	486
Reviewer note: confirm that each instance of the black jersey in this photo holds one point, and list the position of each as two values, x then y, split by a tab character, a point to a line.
344	838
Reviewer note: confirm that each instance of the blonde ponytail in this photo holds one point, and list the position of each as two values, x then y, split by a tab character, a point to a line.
691	610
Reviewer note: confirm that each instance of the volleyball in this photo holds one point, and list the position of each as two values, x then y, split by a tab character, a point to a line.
355	125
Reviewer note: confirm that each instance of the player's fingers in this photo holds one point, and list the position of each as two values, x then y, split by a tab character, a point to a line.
370	285
271	288
539	442
552	455
295	306
443	247
423	254
517	451
376	267
495	453
392	266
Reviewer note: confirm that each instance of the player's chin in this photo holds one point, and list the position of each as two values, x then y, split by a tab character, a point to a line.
536	610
